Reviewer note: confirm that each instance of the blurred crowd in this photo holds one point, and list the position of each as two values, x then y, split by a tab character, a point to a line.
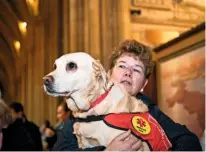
19	134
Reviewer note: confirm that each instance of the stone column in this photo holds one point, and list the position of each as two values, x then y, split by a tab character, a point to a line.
95	26
114	26
123	19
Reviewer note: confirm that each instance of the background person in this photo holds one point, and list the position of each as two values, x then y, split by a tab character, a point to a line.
49	136
63	114
14	137
19	117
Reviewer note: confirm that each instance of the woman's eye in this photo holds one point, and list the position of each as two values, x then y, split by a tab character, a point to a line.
71	66
122	66
136	70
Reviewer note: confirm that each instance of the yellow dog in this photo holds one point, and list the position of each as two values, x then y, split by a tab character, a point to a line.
88	92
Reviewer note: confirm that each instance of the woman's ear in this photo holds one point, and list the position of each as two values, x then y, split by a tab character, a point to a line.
144	85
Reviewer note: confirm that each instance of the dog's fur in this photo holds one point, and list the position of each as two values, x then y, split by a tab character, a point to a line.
82	86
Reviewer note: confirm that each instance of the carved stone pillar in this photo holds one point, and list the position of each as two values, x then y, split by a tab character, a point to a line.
29	85
95	26
123	19
114	26
40	49
49	50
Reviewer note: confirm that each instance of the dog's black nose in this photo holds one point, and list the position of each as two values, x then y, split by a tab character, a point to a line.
48	80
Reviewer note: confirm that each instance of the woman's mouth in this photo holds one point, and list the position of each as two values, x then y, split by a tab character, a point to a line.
126	82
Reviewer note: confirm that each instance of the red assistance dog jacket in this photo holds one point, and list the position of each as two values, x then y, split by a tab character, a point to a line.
143	126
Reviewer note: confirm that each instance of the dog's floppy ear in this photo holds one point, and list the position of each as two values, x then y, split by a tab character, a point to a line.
100	73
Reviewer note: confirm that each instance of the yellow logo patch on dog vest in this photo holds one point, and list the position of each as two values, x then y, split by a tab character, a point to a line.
141	125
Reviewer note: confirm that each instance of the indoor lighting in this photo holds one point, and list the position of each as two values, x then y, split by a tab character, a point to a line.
33	6
17	46
22	27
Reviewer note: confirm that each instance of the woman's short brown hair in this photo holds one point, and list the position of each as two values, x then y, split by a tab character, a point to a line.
64	106
137	49
5	117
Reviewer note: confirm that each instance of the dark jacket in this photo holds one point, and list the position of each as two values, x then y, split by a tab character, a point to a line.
35	134
180	137
51	140
17	138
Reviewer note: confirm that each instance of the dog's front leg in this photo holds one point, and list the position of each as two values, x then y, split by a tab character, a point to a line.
88	134
77	133
84	133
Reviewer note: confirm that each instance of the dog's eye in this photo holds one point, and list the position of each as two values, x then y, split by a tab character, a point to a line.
54	66
71	66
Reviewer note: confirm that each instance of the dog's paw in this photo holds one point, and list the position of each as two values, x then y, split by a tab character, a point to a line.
79	115
142	107
75	114
76	128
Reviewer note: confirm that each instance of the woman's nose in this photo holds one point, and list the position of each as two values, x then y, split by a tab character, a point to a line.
128	72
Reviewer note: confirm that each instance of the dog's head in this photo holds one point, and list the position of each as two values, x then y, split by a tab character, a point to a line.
78	77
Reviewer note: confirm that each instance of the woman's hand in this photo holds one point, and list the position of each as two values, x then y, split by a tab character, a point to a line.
127	142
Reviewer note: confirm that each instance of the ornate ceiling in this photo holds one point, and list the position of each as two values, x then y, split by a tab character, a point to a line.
157	21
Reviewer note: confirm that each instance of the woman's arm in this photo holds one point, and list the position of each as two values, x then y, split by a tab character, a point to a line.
126	141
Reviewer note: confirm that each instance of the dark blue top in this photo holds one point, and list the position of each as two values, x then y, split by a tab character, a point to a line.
180	137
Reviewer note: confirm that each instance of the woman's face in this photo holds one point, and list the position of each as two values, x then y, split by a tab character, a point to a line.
129	73
61	114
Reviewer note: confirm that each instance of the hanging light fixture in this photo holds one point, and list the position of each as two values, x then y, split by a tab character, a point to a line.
17	46
33	6
22	27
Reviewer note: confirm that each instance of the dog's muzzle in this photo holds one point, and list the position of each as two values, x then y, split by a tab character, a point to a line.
48	86
48	81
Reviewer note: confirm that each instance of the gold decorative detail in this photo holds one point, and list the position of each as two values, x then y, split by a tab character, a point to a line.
161	4
33	6
17	46
22	27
